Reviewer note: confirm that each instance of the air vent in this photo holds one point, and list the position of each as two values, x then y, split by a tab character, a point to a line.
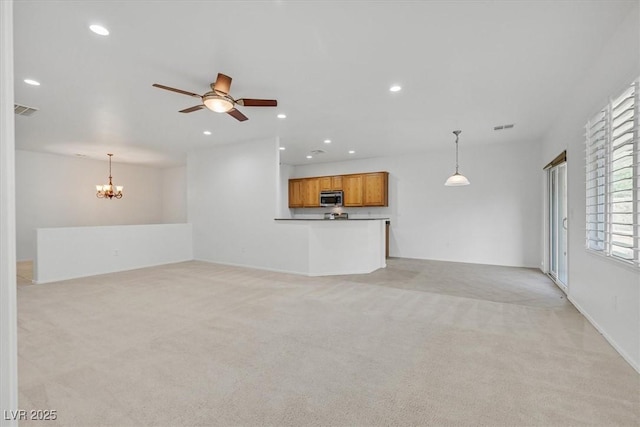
23	110
318	152
502	127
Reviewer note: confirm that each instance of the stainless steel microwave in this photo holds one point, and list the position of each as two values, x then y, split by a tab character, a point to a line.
330	198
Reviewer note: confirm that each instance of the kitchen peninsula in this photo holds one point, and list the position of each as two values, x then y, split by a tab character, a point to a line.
335	247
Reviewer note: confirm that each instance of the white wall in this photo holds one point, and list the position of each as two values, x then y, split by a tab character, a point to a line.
346	247
495	220
174	200
232	202
70	252
285	172
607	292
59	191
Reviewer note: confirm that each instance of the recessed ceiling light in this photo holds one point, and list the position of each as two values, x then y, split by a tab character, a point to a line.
282	116
309	157
395	88
282	148
207	132
31	82
327	141
99	29
351	152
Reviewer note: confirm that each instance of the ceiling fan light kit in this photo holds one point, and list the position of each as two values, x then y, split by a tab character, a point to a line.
109	191
217	103
456	179
219	100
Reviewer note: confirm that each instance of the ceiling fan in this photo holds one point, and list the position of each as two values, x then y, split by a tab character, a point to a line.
219	100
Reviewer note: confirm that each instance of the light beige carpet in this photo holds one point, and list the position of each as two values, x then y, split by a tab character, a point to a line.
420	343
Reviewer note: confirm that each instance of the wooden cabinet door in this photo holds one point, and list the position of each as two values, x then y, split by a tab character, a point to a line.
295	193
352	187
375	189
336	182
311	192
325	183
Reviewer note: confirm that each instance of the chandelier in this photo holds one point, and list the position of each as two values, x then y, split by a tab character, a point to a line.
107	191
457	179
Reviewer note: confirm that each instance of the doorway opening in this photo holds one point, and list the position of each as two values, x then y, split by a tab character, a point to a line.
24	272
558	225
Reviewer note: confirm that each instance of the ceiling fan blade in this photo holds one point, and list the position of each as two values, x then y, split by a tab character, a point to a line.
222	84
192	109
247	102
237	115
172	89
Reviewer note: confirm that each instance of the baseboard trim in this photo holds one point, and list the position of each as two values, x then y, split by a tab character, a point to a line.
606	336
298	273
253	267
130	268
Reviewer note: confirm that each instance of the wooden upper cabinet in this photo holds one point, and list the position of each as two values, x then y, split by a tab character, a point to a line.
311	192
325	183
336	182
295	193
330	183
304	193
375	189
367	189
352	187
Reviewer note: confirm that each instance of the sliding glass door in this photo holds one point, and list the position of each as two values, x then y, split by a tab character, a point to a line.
558	224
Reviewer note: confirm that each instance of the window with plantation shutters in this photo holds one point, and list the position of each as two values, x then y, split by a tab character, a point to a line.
612	179
596	162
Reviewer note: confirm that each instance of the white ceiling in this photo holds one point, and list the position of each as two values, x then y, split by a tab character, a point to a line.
462	64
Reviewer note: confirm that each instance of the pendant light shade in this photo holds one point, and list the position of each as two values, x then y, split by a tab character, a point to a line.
457	179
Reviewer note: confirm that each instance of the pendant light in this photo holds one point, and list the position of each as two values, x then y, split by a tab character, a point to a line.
457	179
109	191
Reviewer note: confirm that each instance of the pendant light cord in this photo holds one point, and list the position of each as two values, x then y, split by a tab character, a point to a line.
456	155
457	134
110	178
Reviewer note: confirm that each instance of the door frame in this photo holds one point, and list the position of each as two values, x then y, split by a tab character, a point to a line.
547	223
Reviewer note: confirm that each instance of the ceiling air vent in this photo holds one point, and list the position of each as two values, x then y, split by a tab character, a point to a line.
318	152
501	127
23	110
